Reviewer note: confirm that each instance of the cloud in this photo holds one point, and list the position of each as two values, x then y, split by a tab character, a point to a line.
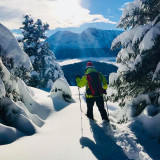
8	14
57	13
124	5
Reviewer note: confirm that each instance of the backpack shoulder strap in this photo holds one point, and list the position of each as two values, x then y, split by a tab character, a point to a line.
100	75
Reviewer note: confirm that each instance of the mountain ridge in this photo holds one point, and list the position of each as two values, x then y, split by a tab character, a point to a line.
92	42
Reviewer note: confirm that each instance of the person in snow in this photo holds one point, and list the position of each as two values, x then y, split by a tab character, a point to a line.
96	85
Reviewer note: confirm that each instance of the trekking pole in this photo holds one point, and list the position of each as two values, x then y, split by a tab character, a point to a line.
81	112
107	110
80	99
107	107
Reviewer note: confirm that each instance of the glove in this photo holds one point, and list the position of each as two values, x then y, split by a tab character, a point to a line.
77	76
104	91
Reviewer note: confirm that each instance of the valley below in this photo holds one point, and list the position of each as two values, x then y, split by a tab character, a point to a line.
72	67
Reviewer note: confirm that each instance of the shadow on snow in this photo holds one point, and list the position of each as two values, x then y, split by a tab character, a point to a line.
59	103
104	148
150	144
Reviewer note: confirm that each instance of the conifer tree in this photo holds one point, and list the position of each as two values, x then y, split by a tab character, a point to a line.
45	69
137	81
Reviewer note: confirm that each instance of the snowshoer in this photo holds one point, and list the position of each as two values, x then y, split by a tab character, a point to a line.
96	85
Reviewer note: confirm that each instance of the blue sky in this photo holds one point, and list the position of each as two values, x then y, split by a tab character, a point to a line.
111	9
72	15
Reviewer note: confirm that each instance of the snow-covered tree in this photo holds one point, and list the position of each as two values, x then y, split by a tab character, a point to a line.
12	62
137	81
45	68
18	109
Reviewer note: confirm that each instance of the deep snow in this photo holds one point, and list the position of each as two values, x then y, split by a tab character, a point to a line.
62	137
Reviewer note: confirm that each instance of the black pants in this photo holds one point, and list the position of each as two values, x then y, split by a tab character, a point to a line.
100	104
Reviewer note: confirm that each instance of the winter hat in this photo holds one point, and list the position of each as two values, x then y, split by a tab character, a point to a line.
89	65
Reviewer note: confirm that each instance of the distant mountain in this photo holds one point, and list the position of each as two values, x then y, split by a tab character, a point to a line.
91	42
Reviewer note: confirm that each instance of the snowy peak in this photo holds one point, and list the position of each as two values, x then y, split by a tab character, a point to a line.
64	34
97	38
61	37
87	39
90	30
90	43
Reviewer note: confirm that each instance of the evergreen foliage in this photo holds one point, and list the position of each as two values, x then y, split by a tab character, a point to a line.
45	69
139	12
137	81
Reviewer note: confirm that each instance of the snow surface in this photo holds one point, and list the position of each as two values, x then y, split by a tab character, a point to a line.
69	135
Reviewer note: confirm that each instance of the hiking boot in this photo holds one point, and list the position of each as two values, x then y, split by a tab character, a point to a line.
105	123
92	119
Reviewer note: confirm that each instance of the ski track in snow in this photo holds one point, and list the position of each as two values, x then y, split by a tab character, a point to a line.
126	139
123	136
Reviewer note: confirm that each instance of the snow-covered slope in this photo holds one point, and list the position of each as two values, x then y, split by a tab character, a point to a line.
91	42
68	134
62	138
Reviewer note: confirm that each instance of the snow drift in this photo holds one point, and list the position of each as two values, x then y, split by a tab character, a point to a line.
62	133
